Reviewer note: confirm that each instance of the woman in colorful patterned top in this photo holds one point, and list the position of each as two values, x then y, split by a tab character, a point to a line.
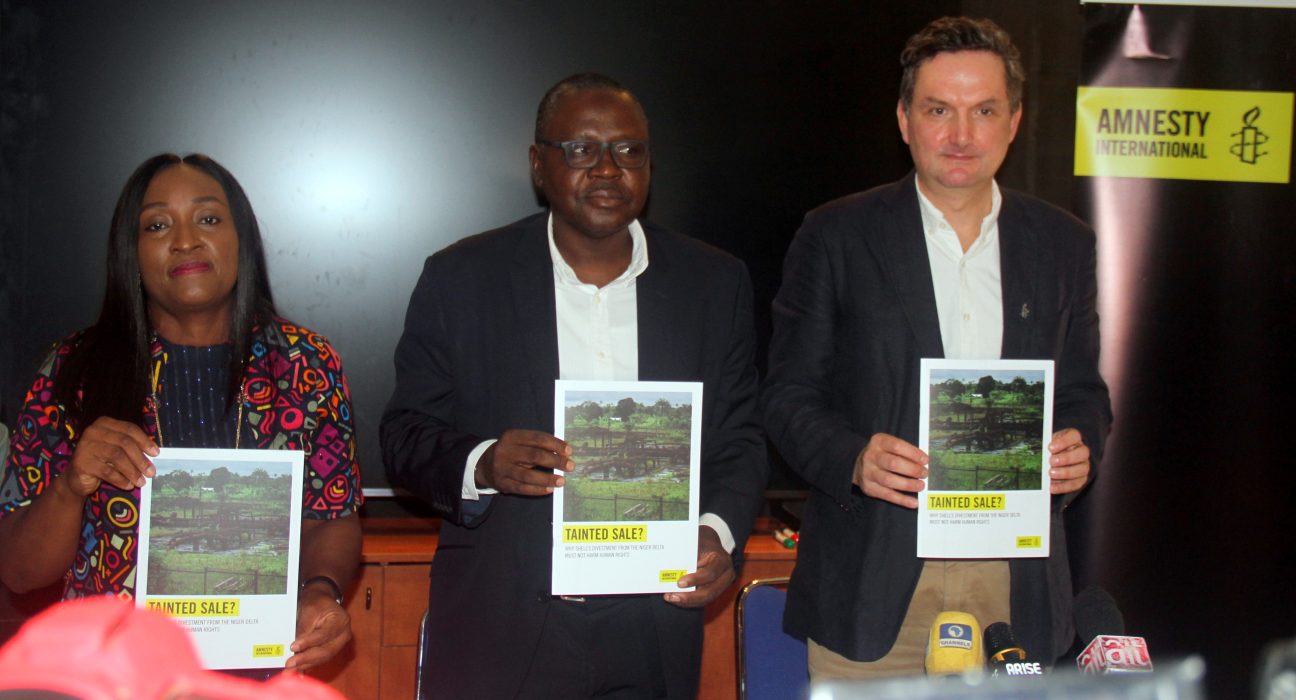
188	351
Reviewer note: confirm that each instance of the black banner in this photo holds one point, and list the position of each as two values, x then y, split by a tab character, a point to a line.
1180	148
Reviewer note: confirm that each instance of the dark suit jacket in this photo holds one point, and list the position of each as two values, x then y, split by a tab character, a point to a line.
479	355
855	314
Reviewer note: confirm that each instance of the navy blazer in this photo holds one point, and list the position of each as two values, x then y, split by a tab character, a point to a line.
479	355
855	314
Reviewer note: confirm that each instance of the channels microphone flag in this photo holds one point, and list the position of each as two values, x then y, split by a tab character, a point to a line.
954	644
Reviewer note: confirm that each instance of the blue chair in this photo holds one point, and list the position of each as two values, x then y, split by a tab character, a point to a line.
420	693
771	664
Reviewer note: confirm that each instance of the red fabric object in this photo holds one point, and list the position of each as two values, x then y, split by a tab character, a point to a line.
106	648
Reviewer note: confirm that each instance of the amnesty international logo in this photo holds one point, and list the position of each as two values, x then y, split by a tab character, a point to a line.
1179	134
1249	139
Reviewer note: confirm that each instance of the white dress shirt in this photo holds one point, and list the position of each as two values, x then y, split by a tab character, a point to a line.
969	297
598	339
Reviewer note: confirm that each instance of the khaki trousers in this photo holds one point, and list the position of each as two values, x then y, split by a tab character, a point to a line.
980	587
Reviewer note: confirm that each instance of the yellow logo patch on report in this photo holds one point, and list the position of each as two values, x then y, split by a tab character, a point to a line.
267	651
671	575
1029	542
1179	134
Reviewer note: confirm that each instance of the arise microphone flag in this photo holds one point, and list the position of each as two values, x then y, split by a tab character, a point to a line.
1001	643
1005	656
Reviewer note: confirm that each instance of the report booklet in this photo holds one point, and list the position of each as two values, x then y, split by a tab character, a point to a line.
219	542
627	519
985	426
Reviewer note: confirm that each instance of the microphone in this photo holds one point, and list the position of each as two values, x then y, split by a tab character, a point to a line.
954	644
1111	651
1005	656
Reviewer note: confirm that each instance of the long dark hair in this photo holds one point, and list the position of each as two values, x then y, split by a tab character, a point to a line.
107	371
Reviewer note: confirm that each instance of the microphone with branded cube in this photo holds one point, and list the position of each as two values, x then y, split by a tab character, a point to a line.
1115	654
1111	651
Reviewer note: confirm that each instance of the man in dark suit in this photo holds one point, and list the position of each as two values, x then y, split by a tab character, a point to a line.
940	264
585	291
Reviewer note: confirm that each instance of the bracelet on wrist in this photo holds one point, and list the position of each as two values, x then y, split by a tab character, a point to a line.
333	586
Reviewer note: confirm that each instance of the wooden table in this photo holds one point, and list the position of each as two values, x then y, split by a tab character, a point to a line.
387	600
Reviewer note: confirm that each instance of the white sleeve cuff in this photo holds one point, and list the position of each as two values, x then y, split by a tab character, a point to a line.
716	523
470	490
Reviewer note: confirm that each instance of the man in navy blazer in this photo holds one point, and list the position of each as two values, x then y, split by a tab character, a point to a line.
942	263
583	291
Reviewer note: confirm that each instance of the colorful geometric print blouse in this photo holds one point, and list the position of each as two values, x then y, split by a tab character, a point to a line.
296	397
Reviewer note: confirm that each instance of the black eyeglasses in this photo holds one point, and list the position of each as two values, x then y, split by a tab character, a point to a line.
587	154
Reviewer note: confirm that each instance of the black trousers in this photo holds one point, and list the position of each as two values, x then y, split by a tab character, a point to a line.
605	647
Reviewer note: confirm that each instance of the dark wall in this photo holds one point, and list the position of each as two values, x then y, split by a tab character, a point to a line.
370	135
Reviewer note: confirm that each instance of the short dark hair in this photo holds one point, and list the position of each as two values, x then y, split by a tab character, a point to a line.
950	34
106	373
574	83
